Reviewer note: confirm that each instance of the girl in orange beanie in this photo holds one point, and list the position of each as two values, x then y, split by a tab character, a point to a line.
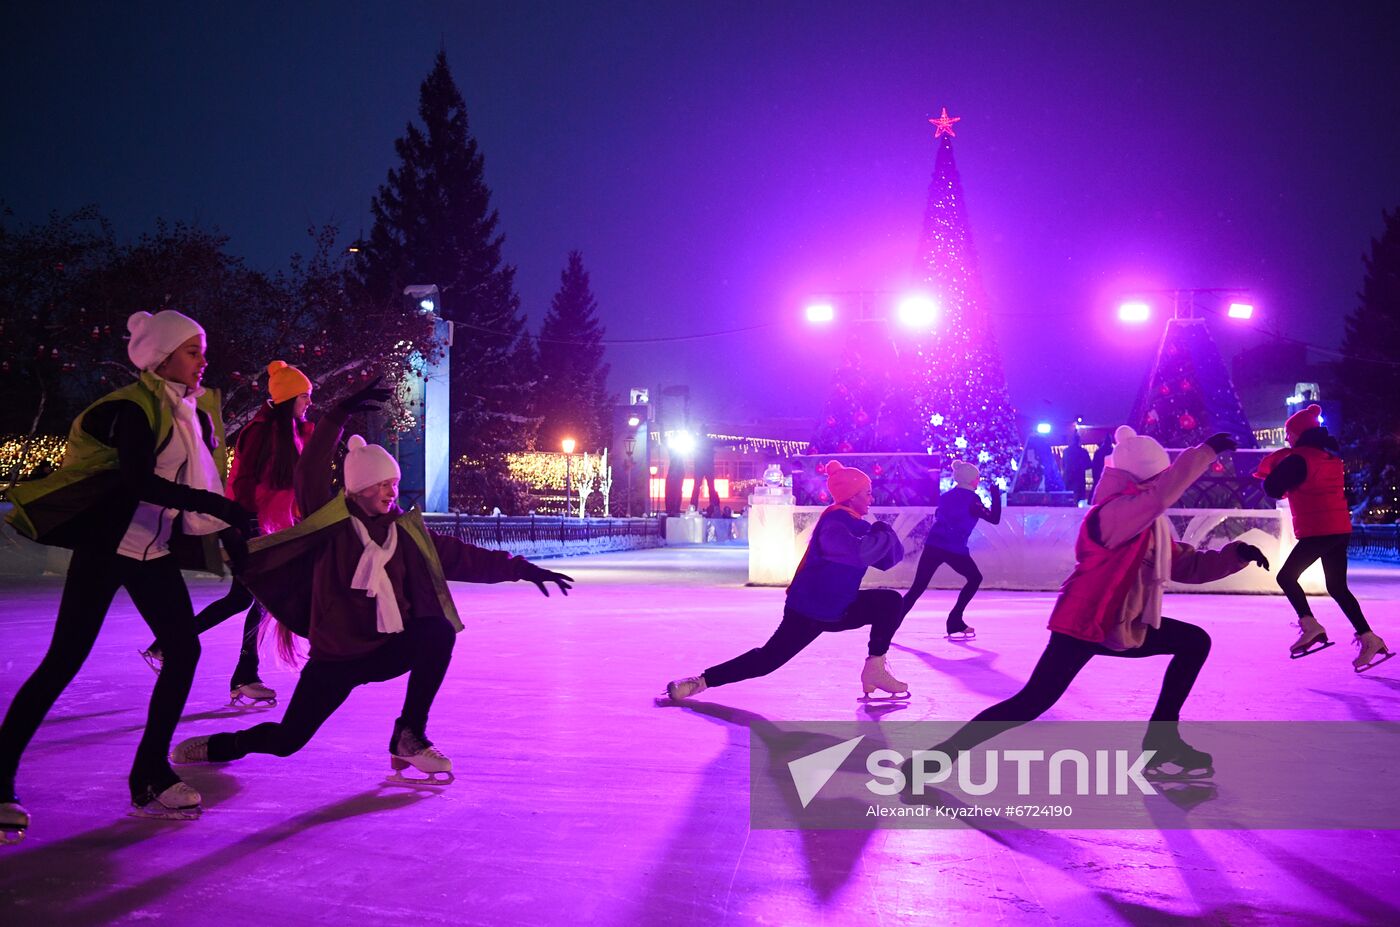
825	594
266	451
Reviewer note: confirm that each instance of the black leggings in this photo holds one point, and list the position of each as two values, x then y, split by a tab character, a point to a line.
1062	660
423	650
158	591
1331	549
237	599
881	609
929	561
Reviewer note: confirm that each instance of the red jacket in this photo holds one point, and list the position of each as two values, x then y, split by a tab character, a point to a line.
1109	599
1319	504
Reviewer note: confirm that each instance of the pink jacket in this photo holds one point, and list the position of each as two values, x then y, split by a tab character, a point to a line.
1111	598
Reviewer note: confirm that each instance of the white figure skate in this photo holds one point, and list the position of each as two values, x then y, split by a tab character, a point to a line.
1372	651
681	689
190	750
876	675
252	695
1311	638
414	751
180	802
14	822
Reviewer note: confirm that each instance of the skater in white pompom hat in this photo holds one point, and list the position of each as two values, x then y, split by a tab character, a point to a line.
140	494
1111	605
366	583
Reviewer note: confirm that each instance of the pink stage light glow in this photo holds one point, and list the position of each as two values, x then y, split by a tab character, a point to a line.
917	310
820	313
1134	312
1241	311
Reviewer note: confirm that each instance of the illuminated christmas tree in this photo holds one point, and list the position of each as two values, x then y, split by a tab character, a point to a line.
849	420
1189	395
955	374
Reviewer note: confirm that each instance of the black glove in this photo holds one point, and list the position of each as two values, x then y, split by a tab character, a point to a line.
244	522
1220	442
236	546
876	526
365	399
1251	554
539	576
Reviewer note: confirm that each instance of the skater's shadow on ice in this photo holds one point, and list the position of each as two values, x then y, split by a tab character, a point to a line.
1365	707
975	674
36	880
87	715
703	846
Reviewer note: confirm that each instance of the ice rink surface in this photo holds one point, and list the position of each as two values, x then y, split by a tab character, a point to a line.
578	801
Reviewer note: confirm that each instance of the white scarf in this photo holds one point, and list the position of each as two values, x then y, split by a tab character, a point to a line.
200	471
1161	572
371	576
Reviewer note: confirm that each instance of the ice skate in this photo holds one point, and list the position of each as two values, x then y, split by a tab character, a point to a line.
153	658
1176	761
190	750
14	822
1373	651
876	675
412	750
1311	639
252	695
180	802
680	689
958	630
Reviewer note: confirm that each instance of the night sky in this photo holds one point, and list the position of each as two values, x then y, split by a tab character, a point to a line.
718	162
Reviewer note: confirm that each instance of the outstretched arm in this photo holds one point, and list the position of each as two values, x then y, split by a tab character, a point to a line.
311	480
1124	518
131	435
1286	477
1192	565
992	516
467	563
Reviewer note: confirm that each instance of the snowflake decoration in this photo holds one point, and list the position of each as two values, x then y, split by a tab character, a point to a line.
936	418
983	457
960	443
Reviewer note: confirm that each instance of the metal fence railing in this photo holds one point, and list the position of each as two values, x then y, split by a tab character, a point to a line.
505	532
1375	542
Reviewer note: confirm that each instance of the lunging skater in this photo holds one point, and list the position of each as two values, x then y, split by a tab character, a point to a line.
260	480
825	594
1111	604
139	495
367	584
1309	473
958	511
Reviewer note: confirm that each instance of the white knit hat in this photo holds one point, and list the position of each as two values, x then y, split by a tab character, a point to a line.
965	474
155	337
1139	456
367	464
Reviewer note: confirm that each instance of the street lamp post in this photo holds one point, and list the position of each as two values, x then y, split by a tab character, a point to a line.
568	444
629	445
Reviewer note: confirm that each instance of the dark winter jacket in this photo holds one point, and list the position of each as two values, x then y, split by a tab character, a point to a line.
956	516
303	575
842	548
109	468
